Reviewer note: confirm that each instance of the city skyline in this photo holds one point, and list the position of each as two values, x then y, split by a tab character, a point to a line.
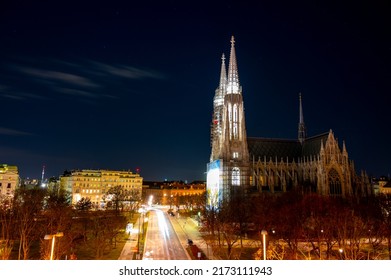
127	86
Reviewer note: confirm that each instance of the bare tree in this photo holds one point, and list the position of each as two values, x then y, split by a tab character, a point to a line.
385	207
289	220
29	204
103	227
84	204
57	217
118	196
7	226
228	229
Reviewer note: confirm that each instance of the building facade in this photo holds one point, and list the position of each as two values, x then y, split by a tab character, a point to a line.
9	179
95	184
170	193
384	186
316	164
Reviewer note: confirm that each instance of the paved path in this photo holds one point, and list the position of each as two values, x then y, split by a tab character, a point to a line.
187	228
129	252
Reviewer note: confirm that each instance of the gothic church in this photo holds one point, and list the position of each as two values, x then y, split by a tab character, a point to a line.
314	164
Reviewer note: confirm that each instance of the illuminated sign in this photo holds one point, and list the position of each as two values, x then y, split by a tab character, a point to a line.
213	182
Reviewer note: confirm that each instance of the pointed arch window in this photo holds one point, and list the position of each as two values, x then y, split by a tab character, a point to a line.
230	119
335	187
235	176
235	122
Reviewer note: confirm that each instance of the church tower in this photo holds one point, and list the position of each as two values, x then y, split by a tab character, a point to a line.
218	109
228	170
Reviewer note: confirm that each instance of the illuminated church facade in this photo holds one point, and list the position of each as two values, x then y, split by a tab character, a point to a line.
239	163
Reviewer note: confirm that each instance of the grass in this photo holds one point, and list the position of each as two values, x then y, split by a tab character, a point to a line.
86	253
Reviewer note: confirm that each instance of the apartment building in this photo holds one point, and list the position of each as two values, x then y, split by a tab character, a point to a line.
95	184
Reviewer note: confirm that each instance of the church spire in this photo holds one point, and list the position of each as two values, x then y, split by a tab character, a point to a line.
302	129
233	76
223	74
221	90
218	108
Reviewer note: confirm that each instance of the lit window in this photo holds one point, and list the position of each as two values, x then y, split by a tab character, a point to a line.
230	120
235	121
235	176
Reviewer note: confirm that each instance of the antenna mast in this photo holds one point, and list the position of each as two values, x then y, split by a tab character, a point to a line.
43	175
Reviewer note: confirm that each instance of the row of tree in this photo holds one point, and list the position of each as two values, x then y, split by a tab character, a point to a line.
30	214
302	226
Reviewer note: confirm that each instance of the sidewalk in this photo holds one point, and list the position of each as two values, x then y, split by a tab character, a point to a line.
187	228
129	252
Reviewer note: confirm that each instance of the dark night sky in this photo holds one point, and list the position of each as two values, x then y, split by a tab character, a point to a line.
125	85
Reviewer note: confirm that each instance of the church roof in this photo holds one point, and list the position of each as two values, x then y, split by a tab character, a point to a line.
285	149
311	145
388	185
267	148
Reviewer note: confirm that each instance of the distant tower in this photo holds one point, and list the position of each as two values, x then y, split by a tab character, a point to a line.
302	130
228	170
43	176
43	173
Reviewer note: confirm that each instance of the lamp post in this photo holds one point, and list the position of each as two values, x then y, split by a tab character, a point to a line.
53	238
264	233
340	250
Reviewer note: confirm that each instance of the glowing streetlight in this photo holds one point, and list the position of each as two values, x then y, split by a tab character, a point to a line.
340	250
53	238
264	233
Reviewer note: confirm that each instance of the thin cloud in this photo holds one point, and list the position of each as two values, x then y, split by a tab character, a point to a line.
88	79
14	94
77	92
58	76
13	132
131	72
124	71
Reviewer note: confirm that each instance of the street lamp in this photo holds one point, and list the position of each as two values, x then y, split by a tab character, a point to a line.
53	238
264	233
340	250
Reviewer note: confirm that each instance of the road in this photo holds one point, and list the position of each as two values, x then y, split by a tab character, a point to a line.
161	241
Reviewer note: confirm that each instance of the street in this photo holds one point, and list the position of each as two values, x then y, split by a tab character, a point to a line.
162	242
